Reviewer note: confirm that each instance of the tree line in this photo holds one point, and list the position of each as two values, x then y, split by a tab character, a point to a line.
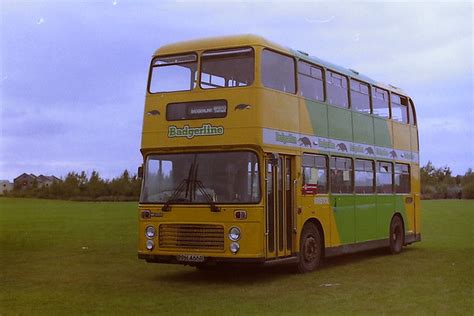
439	183
436	183
81	187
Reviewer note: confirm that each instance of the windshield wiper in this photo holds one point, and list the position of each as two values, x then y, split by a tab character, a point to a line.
203	191
174	197
207	196
184	184
189	185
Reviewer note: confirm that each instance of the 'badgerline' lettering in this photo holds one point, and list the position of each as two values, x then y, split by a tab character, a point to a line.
190	132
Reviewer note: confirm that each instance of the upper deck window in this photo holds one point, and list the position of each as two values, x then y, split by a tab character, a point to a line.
360	100
380	102
173	73
227	68
310	81
337	89
278	71
399	108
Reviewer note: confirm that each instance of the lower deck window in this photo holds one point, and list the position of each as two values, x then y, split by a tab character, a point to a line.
314	169
402	178
341	175
384	177
364	176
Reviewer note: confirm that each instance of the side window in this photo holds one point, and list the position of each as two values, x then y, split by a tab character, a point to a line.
314	170
364	176
341	175
380	102
310	80
336	86
399	108
411	112
384	177
402	178
360	100
278	71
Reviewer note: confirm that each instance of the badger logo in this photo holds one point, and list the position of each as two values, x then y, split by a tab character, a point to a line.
304	141
369	150
341	147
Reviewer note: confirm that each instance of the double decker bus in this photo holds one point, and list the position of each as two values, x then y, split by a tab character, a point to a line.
257	153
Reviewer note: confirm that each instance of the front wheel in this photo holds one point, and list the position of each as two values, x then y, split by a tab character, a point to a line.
396	235
310	249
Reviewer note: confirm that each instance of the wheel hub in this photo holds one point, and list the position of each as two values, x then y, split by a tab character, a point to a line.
310	249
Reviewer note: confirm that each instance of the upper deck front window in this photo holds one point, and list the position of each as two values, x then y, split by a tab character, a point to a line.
173	73
227	68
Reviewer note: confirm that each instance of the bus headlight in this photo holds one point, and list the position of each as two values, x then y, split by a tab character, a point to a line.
234	233
150	244
150	231
234	247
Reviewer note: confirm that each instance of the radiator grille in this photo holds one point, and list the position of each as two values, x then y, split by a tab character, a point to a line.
191	236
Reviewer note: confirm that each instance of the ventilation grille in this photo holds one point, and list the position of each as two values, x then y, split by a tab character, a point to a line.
192	236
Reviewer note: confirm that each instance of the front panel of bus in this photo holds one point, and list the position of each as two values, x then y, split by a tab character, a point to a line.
202	195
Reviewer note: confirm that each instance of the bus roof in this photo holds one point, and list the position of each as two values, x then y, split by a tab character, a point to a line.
255	40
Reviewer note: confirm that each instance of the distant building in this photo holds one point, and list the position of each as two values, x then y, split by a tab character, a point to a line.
5	185
26	180
46	181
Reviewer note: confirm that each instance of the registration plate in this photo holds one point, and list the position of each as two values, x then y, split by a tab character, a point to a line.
190	258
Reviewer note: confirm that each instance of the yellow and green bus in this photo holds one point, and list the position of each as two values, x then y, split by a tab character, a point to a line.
257	153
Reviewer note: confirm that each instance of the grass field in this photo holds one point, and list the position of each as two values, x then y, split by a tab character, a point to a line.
61	257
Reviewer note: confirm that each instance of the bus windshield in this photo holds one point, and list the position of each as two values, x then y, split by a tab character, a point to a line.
173	73
227	68
187	178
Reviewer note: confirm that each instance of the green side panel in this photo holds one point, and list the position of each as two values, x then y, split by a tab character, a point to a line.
363	127
400	207
385	210
318	114
340	123
382	134
365	217
343	208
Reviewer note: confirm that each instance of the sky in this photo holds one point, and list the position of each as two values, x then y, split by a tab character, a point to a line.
73	73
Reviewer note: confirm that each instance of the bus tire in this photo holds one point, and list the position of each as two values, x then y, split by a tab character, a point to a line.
397	234
310	249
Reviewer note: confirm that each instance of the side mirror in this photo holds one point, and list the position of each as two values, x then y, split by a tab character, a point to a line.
140	172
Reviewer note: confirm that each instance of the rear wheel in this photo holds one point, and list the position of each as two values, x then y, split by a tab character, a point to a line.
396	235
310	249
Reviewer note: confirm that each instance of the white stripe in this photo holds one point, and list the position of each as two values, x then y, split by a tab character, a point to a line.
296	140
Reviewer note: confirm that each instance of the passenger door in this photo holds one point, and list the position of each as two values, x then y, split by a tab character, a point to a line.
279	205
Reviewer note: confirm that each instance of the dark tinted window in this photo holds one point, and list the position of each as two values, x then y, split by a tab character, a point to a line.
278	71
337	89
341	175
360	100
310	81
402	178
315	172
380	102
384	177
364	176
196	110
399	108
